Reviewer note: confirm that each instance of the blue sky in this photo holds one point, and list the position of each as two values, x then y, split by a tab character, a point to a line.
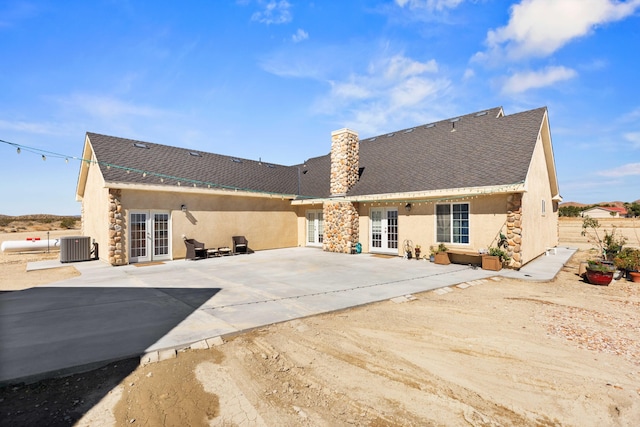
272	79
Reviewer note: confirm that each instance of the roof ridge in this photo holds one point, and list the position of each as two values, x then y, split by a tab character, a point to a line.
431	124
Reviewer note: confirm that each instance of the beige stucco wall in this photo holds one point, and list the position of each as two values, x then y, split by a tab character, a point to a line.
95	204
487	220
267	223
539	231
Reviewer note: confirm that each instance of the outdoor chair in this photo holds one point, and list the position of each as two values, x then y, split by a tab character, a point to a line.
195	249
240	245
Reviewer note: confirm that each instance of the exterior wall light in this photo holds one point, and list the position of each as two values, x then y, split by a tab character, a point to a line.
183	208
407	207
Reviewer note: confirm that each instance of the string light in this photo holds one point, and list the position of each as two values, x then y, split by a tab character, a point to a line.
428	200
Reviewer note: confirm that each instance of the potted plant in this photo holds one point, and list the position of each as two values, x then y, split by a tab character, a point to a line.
600	273
440	255
601	270
629	260
417	251
609	245
496	255
408	247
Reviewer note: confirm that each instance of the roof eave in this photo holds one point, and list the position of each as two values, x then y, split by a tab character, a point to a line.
87	155
196	190
433	195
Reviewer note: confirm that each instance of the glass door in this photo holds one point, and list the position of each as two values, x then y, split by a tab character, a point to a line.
315	228
384	230
138	241
149	236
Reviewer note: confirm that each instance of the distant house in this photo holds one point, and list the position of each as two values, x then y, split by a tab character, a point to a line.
461	181
605	212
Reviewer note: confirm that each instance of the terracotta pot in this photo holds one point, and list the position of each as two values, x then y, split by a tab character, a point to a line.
601	278
442	258
490	262
635	276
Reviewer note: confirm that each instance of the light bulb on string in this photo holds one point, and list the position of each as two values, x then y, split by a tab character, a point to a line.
44	158
18	150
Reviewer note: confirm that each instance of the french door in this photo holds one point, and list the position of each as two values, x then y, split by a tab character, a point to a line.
315	228
384	230
149	236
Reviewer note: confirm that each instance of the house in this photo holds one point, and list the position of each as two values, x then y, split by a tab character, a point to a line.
605	212
461	181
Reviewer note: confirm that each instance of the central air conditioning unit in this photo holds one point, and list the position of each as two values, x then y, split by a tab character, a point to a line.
75	248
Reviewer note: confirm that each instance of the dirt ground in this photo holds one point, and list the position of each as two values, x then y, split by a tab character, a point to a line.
501	353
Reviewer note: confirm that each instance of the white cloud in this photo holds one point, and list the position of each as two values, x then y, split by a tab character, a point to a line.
106	107
521	82
468	73
30	127
633	138
402	67
624	170
391	90
274	12
299	36
631	116
540	27
429	4
349	90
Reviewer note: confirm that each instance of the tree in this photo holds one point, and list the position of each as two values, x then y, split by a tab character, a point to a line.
633	209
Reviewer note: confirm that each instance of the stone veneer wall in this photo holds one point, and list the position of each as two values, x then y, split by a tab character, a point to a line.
514	229
341	221
116	234
341	227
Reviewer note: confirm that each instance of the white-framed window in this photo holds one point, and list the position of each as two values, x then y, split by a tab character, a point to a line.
452	223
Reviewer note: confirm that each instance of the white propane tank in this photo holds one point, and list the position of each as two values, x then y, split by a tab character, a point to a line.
31	244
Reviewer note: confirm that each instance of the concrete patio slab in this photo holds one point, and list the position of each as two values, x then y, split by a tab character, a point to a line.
110	313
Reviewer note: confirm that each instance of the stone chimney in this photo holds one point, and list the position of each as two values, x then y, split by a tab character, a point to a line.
341	219
344	161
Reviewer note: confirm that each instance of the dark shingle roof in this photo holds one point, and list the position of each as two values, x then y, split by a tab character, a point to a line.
486	149
161	162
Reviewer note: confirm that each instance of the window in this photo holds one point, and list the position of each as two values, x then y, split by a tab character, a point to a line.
452	223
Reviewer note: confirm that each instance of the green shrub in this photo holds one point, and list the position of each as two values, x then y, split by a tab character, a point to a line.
68	222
